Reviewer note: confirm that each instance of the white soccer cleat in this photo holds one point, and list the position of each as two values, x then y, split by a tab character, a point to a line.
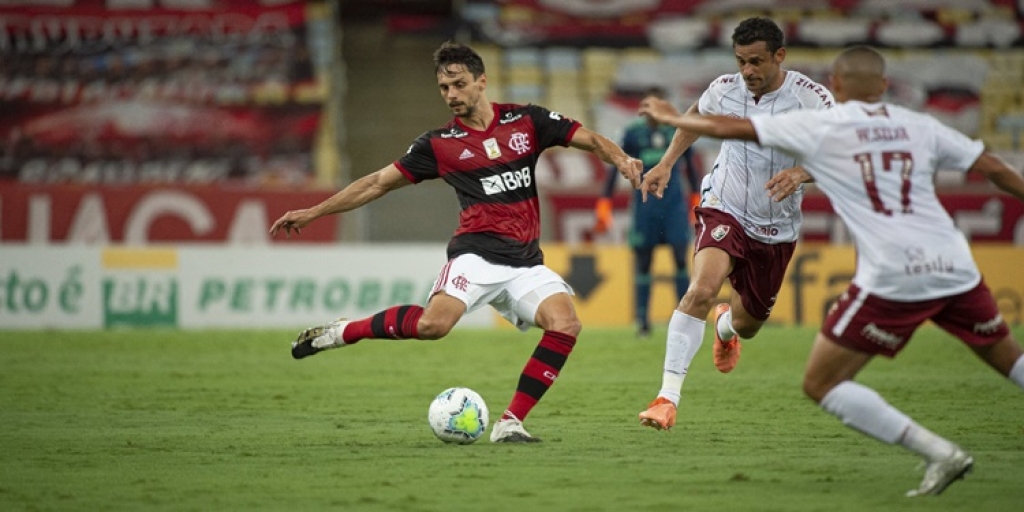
321	337
941	473
511	431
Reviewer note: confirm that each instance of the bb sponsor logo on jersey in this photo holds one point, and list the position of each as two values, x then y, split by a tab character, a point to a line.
466	154
719	233
519	142
506	181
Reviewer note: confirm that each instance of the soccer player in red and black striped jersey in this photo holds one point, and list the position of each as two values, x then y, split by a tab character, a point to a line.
488	153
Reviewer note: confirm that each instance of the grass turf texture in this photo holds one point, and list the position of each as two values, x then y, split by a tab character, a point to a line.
169	420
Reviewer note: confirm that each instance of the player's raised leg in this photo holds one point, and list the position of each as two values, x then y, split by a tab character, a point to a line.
407	321
726	350
829	381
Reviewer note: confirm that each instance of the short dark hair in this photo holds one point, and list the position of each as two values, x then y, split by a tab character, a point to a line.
752	30
454	53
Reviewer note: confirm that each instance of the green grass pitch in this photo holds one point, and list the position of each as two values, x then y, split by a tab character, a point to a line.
226	420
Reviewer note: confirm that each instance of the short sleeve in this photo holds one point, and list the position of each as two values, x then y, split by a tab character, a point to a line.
552	128
797	133
707	105
419	163
710	101
955	151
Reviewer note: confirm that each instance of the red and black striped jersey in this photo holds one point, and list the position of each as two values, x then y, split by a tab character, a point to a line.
493	173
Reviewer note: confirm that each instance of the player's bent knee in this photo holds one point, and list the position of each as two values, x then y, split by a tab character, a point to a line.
571	326
699	298
432	329
816	389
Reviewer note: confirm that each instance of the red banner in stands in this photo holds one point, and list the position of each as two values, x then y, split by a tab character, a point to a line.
92	94
139	215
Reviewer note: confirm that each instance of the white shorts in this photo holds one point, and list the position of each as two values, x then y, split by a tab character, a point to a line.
514	292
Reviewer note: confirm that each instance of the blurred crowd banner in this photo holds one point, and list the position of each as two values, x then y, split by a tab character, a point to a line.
141	215
229	91
684	24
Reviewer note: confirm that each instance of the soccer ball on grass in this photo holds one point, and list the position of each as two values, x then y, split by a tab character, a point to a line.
458	415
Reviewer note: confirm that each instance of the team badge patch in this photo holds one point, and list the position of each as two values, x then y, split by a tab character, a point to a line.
492	149
460	282
520	142
719	233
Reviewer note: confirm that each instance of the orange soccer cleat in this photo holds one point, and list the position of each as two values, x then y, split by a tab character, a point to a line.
660	414
726	352
602	215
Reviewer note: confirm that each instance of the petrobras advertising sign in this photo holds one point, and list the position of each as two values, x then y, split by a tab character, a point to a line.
50	288
293	287
43	287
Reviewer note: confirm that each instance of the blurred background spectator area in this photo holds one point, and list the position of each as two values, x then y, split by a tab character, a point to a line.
288	95
122	92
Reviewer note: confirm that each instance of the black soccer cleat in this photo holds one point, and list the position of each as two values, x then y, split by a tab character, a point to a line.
303	344
319	338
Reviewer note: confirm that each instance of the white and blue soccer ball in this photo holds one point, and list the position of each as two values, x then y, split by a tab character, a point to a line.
458	415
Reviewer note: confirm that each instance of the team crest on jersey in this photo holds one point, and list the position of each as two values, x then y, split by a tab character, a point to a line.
460	282
719	233
520	142
492	149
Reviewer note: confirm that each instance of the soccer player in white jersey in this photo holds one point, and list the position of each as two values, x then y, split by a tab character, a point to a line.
876	162
740	233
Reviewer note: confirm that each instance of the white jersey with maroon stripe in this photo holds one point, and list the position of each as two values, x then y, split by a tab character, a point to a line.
736	183
877	163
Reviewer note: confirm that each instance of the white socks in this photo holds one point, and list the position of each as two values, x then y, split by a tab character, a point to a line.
724	326
1017	372
861	408
685	336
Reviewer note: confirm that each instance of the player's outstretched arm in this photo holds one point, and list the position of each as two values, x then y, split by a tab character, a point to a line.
657	178
719	127
681	141
1000	174
609	152
358	193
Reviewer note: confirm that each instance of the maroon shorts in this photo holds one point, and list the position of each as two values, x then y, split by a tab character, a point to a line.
759	267
874	325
